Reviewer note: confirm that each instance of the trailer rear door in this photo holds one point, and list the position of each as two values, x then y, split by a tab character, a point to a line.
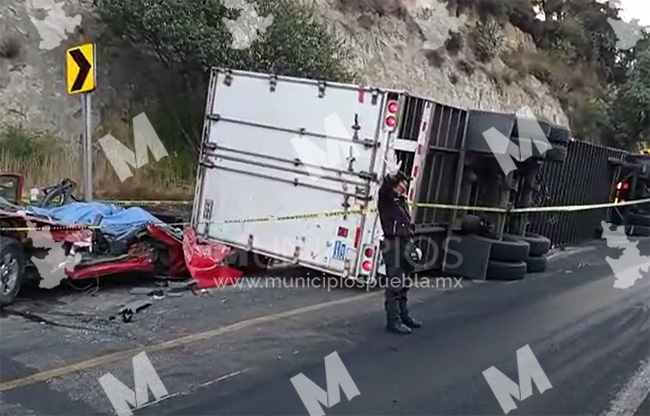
276	147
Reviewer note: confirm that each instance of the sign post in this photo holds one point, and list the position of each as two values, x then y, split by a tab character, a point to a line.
81	77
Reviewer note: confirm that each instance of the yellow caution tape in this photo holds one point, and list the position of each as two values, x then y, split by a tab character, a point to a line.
566	208
574	208
569	208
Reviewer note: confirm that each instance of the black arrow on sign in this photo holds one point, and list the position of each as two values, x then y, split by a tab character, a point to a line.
84	69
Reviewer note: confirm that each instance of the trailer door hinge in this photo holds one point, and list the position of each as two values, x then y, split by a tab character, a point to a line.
210	146
356	127
361	192
207	209
296	254
208	165
227	80
273	82
321	89
368	176
369	143
375	96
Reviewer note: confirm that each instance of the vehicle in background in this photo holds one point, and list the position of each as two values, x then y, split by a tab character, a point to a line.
633	183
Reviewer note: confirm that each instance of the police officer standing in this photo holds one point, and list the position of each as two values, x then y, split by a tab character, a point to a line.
398	252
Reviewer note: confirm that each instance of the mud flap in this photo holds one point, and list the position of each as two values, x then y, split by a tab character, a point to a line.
467	256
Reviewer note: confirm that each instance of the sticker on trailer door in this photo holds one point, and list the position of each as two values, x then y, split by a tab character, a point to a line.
340	250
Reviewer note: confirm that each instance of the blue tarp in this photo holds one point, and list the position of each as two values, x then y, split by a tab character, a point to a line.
116	220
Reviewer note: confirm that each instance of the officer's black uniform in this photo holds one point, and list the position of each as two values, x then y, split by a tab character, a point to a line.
398	234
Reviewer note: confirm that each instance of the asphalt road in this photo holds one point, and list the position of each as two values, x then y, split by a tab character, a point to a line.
591	340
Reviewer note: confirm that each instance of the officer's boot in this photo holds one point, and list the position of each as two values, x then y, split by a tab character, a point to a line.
405	317
393	322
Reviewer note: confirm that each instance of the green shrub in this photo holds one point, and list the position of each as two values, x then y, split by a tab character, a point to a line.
21	144
192	36
487	39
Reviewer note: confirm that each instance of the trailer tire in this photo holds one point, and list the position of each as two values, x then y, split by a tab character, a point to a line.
539	244
640	231
556	154
510	250
639	219
537	264
12	270
499	270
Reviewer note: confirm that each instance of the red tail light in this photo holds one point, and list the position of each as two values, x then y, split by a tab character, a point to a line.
369	252
367	265
392	108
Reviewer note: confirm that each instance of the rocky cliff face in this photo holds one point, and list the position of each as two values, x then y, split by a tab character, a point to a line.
387	52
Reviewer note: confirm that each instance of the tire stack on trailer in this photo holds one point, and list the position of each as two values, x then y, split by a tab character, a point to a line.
537	259
508	259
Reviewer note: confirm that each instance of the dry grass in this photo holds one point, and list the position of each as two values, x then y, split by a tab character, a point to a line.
150	182
563	78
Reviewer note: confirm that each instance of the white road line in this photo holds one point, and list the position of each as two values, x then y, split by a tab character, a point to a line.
630	397
185	393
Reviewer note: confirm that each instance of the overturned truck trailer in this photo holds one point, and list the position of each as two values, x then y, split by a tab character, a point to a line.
290	169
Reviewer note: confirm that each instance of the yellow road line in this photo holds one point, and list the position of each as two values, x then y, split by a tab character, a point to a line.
174	343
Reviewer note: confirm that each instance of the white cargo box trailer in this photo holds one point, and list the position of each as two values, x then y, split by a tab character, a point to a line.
275	147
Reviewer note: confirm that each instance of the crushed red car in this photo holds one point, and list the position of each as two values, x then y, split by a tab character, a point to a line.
95	239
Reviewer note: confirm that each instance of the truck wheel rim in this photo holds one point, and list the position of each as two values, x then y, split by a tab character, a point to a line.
8	274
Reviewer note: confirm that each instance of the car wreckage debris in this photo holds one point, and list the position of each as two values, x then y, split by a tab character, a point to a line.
130	309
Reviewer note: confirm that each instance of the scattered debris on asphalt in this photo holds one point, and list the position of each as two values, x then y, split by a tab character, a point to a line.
130	309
